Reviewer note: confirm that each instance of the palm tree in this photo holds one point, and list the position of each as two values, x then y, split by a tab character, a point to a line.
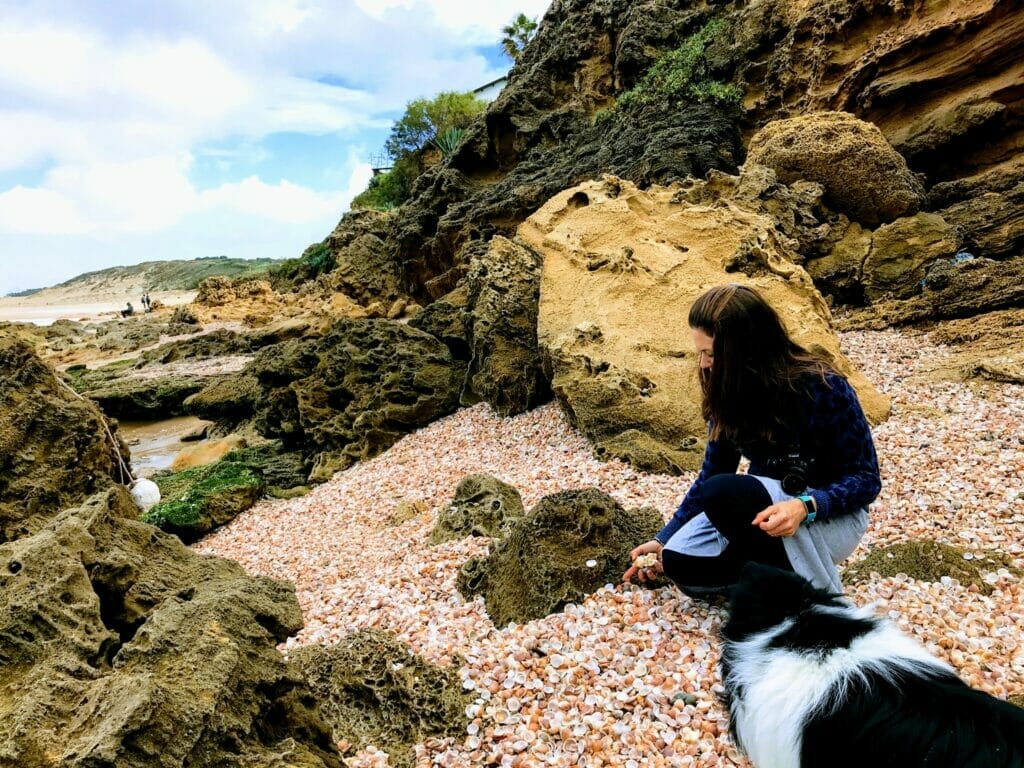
517	35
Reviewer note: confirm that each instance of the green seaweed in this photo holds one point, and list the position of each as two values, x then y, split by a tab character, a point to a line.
198	500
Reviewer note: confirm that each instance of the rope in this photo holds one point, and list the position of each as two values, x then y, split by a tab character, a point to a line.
125	471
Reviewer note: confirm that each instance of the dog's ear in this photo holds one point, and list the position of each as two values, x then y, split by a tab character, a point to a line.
764	597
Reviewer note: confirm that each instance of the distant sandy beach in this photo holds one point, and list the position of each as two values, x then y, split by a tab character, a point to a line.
52	304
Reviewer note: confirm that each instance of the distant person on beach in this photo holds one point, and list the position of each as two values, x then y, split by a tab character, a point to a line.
129	310
813	468
145	302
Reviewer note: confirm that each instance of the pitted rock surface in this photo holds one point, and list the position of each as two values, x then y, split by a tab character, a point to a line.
569	545
504	365
355	392
128	650
483	506
621	268
54	449
374	690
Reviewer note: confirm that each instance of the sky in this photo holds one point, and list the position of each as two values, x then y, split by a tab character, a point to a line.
138	130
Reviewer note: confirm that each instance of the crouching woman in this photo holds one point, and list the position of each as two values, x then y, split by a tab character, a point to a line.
802	506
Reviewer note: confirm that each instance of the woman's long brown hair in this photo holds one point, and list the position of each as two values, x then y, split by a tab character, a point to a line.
757	368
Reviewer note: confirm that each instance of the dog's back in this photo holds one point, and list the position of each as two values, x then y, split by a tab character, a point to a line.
812	681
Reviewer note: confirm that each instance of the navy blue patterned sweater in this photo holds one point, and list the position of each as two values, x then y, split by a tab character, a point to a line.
829	428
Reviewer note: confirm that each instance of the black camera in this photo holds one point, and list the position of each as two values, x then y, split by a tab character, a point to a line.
791	470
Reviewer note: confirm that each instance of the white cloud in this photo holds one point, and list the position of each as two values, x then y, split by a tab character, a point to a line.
284	201
156	129
481	21
41	211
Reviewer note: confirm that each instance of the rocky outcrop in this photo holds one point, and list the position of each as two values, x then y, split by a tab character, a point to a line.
124	394
54	448
504	363
128	650
196	501
621	268
353	393
220	291
951	289
366	269
569	545
228	400
483	506
374	691
542	134
939	80
863	176
902	252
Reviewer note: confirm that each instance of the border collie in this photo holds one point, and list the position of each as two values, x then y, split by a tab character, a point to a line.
812	681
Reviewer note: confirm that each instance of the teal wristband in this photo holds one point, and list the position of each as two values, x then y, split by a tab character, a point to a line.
809	507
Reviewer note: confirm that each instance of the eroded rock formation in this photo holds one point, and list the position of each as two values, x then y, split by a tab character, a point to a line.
621	268
570	544
483	506
54	448
125	649
354	392
375	690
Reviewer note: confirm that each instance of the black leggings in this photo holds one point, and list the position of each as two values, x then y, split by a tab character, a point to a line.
731	502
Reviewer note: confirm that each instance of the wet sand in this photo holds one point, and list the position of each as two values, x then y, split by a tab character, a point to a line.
154	444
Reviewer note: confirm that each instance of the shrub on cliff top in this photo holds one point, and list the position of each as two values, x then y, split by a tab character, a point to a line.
685	74
316	260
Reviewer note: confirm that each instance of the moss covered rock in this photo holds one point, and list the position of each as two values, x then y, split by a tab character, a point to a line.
373	690
930	561
195	501
281	470
483	506
54	448
353	393
122	648
571	544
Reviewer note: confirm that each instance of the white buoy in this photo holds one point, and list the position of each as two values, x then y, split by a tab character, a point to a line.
145	493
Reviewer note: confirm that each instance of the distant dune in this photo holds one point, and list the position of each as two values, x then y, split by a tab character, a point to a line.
108	290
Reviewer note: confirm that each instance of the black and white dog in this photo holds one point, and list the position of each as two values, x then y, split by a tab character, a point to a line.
811	681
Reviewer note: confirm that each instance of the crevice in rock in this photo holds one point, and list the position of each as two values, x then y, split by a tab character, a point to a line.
113	613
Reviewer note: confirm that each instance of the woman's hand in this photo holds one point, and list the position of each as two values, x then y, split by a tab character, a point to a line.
650	572
781	519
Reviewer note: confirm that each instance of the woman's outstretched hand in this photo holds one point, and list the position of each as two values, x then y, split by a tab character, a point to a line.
782	519
645	572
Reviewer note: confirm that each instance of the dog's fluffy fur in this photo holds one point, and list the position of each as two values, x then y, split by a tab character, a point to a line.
812	681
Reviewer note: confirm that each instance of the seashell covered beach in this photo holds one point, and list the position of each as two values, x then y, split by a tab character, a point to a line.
628	677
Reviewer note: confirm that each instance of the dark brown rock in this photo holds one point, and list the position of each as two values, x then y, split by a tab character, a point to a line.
353	393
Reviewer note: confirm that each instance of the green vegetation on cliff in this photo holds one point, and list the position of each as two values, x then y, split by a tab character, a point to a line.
172	275
427	124
686	74
316	260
